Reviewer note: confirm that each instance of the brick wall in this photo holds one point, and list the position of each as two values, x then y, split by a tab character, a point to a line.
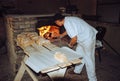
14	26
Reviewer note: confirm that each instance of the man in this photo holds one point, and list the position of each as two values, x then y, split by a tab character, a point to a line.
85	36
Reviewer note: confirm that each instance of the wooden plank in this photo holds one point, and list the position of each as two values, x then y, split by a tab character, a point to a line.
31	74
57	75
50	69
20	73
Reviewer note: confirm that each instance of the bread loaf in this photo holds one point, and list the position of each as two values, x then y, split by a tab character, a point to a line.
28	38
60	57
23	40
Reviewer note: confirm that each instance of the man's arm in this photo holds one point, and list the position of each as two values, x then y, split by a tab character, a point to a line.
63	34
73	41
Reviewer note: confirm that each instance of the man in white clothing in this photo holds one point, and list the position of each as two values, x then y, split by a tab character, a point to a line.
84	35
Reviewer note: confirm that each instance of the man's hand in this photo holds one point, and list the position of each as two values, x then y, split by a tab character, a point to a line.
73	41
69	45
63	34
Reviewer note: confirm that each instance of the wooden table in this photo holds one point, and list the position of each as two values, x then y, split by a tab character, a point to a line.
40	58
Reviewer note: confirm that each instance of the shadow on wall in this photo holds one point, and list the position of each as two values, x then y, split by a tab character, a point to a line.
2	36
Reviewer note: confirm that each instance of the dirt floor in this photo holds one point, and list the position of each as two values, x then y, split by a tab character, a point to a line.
107	70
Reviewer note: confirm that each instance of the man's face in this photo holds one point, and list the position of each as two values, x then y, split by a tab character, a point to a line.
59	22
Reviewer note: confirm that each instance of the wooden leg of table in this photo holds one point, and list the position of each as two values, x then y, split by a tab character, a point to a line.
57	75
31	74
20	72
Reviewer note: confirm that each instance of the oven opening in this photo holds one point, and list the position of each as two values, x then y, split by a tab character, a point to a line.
47	28
49	32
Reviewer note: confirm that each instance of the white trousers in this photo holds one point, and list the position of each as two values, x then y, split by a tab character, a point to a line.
87	51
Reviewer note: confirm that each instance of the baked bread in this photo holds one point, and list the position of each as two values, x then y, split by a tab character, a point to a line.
60	57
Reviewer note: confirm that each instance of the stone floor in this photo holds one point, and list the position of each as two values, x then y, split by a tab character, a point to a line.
107	70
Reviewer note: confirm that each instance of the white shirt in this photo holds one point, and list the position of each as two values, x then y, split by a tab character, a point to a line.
77	27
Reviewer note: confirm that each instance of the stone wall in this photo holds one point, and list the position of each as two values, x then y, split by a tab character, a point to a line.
14	26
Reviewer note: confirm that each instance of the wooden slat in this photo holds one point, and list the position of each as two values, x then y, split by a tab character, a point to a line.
50	69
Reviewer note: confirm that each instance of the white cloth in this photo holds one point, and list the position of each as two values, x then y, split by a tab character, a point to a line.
86	36
87	51
78	27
